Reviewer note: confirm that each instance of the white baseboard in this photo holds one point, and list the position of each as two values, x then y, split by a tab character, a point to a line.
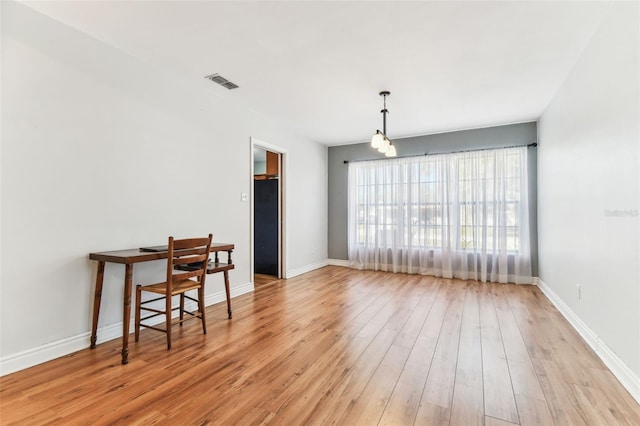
220	296
29	358
624	374
307	268
338	262
47	352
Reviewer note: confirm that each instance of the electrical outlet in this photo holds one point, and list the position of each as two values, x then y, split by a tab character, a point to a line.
244	196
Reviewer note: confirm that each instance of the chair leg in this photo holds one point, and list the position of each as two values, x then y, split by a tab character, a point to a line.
137	322
201	308
181	308
168	319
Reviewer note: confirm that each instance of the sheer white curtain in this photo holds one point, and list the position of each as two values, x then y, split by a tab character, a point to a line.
462	215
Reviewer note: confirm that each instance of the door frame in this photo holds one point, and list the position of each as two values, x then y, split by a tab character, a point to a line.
282	210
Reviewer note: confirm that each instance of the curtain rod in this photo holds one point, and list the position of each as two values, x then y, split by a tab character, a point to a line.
531	145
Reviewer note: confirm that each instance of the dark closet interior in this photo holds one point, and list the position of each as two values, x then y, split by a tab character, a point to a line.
266	226
266	207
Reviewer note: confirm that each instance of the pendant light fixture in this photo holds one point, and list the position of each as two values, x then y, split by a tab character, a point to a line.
379	140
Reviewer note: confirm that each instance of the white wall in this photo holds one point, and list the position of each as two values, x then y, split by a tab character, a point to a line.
588	188
97	147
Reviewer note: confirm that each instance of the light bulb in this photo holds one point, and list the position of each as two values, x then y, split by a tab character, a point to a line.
391	152
377	140
384	146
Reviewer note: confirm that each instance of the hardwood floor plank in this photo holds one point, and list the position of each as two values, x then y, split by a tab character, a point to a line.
469	364
358	366
144	418
530	330
263	279
533	411
468	395
499	400
322	347
514	347
524	380
277	373
596	408
560	337
257	416
403	404
438	391
492	421
563	405
339	346
623	407
362	371
467	406
523	376
370	404
311	403
432	414
20	409
412	328
288	373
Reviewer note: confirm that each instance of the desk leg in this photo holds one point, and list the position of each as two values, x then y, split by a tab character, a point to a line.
96	304
126	314
226	288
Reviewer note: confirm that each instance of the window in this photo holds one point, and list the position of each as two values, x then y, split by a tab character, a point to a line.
470	202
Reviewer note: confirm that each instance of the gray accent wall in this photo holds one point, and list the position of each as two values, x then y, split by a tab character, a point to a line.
491	137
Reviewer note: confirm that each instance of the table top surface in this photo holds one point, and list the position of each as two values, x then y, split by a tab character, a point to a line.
136	255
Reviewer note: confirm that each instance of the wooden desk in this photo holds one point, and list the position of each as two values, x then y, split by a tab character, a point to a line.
128	258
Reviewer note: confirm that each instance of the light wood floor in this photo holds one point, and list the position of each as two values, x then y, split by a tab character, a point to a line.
338	346
263	279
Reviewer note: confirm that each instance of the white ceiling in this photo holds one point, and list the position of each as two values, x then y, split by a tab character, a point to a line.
319	65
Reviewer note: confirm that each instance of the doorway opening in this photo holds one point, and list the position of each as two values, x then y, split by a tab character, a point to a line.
267	213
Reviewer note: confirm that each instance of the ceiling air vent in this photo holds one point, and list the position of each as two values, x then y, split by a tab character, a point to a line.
217	78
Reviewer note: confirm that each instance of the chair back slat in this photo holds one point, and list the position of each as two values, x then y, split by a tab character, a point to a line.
189	243
192	251
186	275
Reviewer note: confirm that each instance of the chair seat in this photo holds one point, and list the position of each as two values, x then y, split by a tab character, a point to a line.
178	287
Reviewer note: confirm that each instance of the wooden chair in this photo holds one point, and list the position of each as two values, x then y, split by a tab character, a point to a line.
191	254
